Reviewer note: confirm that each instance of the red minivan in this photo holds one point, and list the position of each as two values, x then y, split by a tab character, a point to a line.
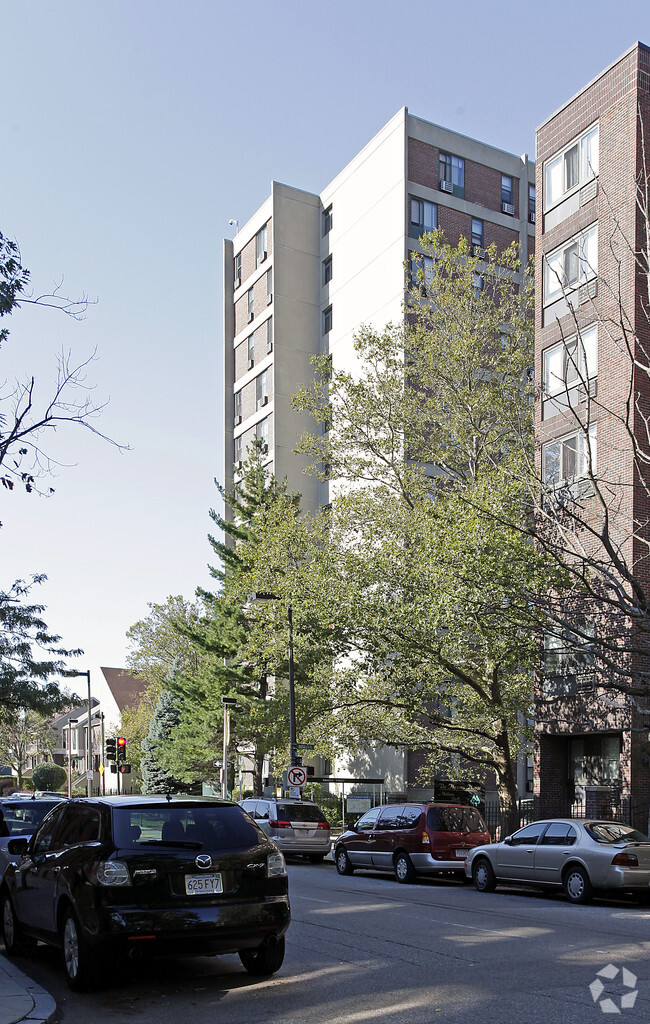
411	839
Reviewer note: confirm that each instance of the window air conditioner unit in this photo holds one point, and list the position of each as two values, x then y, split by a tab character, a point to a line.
479	251
265	400
508	208
531	217
269	299
269	346
261	258
251	364
237	282
237	419
240	464
446	186
250	317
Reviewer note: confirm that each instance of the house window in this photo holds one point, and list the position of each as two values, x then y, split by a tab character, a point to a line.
327	320
250	349
269	334
423	216
260	246
572	264
531	204
568	368
327	270
238	407
251	305
262	434
477	234
568	458
238	451
327	221
507	204
569	651
237	269
269	286
421	272
451	174
571	168
262	389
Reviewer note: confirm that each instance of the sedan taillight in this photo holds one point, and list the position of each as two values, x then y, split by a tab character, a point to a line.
626	860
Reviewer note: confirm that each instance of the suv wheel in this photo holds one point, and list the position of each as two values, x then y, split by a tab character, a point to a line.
483	875
16	944
265	960
79	962
404	870
343	862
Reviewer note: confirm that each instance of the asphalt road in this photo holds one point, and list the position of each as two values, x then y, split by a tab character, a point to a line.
364	948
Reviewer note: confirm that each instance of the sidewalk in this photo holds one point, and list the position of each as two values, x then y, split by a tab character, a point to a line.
21	999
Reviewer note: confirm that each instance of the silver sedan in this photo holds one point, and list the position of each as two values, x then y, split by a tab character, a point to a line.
577	856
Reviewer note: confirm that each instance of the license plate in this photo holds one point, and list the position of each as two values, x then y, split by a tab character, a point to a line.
461	854
302	831
196	885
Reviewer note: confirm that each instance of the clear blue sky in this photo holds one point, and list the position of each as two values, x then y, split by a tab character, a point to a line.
132	132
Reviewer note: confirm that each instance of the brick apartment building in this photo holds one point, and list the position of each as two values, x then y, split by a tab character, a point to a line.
307	270
592	750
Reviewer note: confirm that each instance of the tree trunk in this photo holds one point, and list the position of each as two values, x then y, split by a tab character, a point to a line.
507	790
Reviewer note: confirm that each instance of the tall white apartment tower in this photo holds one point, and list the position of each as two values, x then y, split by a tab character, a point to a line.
306	271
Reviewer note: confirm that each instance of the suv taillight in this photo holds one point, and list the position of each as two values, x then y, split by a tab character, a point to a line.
279	824
426	841
626	860
323	824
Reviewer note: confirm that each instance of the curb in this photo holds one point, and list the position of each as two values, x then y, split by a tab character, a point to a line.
43	1006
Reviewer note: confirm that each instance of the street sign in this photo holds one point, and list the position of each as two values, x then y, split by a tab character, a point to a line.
294	793
89	776
296	776
101	769
305	746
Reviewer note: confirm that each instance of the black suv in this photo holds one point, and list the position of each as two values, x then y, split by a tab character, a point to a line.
153	874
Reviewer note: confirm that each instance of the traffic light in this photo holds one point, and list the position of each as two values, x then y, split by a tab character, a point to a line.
124	769
121	748
111	749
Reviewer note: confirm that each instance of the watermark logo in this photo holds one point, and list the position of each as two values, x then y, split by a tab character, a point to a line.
622	987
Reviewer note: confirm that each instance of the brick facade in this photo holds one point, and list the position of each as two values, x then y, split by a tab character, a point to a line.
613	101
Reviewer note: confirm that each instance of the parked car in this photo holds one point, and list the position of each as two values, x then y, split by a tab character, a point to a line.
411	839
297	826
578	856
107	876
19	816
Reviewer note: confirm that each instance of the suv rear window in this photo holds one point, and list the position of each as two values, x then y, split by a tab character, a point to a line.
300	812
454	819
217	828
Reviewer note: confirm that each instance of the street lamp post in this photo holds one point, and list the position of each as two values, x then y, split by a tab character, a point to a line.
261	598
71	722
89	766
228	702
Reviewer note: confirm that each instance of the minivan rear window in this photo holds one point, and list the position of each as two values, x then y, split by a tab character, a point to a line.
197	826
455	819
300	812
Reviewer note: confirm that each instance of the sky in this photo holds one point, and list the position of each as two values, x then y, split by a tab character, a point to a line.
133	131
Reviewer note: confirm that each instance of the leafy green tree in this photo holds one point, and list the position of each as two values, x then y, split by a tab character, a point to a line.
434	601
155	779
243	658
49	776
29	655
23	733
